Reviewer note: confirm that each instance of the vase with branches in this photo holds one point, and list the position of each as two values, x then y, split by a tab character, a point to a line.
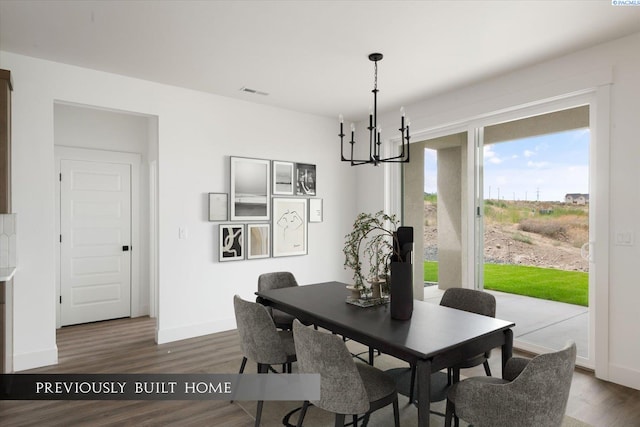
372	238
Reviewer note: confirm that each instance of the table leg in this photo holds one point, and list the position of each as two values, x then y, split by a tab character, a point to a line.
424	392
507	348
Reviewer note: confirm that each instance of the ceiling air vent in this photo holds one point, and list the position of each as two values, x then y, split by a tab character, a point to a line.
253	91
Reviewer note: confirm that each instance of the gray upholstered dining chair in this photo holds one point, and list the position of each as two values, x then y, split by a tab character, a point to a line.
473	301
533	393
346	387
278	280
261	342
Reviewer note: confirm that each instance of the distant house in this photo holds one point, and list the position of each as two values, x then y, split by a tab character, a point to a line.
576	199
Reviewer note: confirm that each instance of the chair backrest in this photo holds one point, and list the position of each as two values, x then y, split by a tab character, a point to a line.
259	338
276	280
545	384
470	300
341	388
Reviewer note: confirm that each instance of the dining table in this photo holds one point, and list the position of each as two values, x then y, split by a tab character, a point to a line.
434	338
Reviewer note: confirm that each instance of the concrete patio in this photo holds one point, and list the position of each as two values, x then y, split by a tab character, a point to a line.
538	322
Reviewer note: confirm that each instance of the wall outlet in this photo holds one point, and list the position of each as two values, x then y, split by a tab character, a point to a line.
182	233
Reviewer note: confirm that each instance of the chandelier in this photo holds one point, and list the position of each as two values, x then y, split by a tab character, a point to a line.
374	131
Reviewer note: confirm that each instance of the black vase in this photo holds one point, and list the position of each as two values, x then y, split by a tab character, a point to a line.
401	290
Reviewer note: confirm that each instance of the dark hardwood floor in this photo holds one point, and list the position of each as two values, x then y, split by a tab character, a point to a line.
127	346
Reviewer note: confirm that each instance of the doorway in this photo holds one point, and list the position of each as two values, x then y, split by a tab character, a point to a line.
535	219
99	141
571	113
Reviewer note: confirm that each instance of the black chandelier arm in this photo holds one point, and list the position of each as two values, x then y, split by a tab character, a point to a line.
403	157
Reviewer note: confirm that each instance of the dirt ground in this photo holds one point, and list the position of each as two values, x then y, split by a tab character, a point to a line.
502	248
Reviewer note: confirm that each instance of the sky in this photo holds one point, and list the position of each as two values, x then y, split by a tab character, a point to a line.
542	168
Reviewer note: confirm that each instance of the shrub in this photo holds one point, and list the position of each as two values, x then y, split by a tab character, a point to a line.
519	237
547	228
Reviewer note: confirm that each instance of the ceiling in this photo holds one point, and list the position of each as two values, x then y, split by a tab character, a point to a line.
310	56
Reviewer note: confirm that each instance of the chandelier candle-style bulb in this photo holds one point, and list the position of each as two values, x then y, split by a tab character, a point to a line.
375	131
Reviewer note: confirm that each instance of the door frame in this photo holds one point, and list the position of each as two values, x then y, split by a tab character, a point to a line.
598	211
598	99
134	161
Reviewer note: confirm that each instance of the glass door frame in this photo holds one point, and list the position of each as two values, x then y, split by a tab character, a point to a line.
598	99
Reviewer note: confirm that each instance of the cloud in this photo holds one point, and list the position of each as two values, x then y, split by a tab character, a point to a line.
491	156
538	165
529	153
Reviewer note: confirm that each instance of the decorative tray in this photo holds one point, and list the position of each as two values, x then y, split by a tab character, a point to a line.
367	302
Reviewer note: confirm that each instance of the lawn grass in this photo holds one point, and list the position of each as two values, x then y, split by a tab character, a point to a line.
571	287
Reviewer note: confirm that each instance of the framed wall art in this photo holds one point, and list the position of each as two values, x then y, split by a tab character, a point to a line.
315	210
231	247
218	207
250	189
258	241
283	178
305	179
289	226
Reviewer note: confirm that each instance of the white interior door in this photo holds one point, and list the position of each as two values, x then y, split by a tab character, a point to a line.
95	251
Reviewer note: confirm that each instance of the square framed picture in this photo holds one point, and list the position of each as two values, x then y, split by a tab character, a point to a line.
315	210
305	179
283	178
258	241
250	189
289	226
231	246
218	207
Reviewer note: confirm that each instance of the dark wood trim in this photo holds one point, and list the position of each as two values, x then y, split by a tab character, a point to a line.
6	86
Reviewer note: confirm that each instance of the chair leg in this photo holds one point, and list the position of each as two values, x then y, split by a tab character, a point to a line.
364	423
262	369
413	383
259	412
456	375
242	365
487	369
371	356
303	412
339	420
396	413
448	413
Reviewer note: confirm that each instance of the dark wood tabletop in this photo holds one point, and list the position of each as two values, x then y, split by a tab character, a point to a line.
435	337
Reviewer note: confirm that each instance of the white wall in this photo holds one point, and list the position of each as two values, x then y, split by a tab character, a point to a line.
196	134
617	62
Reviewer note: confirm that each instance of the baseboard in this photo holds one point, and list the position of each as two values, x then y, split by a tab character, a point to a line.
191	331
624	376
37	359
